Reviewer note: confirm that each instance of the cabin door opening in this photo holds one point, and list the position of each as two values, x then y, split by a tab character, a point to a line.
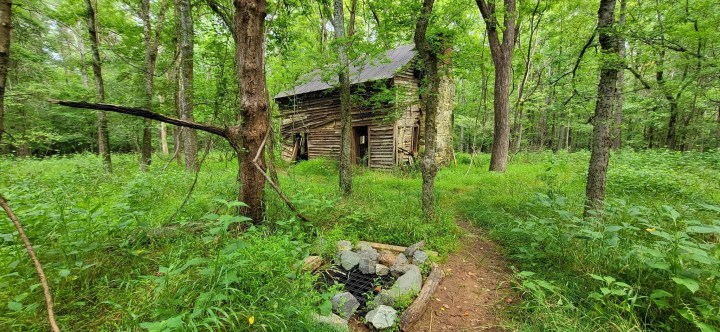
360	145
301	147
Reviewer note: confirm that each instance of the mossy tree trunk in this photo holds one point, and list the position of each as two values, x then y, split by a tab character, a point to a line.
345	107
602	121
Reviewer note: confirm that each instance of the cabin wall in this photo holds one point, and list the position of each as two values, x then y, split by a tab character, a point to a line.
393	140
319	117
382	141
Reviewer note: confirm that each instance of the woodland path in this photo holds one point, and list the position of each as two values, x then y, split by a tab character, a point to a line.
473	293
475	289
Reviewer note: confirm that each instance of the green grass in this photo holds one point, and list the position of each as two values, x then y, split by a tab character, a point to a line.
121	254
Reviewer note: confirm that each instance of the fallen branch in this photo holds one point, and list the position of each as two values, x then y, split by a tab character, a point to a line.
416	309
222	132
36	262
289	204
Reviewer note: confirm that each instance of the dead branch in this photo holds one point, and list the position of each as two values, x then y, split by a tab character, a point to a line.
36	262
289	204
413	312
143	113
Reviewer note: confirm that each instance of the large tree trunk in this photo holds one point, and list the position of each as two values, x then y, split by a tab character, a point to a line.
249	20
183	13
501	131
501	52
345	107
5	27
103	132
430	84
597	171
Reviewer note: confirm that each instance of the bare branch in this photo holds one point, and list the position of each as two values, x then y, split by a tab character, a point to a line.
579	59
222	132
287	201
223	13
639	77
36	262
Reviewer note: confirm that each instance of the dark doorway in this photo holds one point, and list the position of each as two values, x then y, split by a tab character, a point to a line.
300	150
360	144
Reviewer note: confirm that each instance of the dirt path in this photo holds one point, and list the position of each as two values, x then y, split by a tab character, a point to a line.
474	291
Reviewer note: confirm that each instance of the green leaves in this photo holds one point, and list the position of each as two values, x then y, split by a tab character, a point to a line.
14	306
691	284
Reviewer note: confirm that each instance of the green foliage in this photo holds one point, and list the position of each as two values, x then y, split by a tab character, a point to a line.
649	261
120	255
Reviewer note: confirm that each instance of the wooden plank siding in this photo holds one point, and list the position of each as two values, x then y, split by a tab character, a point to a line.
391	126
381	139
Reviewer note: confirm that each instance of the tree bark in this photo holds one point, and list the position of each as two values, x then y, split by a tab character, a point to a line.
501	52
103	132
183	13
607	86
618	113
430	87
5	27
151	51
163	139
345	107
249	46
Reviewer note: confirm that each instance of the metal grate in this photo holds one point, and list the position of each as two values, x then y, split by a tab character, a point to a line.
362	286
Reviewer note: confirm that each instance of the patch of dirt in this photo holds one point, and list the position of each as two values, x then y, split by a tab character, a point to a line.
475	290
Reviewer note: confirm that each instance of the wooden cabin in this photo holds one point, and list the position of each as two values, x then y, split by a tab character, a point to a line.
386	113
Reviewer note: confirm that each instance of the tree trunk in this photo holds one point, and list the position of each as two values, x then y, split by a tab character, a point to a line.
672	124
163	139
5	27
249	21
345	107
430	84
501	52
151	52
501	131
462	139
607	86
103	132
183	14
618	114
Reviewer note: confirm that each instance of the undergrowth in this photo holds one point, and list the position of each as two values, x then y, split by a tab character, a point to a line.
127	250
649	261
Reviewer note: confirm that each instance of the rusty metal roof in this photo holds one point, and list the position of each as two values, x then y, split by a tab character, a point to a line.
382	67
